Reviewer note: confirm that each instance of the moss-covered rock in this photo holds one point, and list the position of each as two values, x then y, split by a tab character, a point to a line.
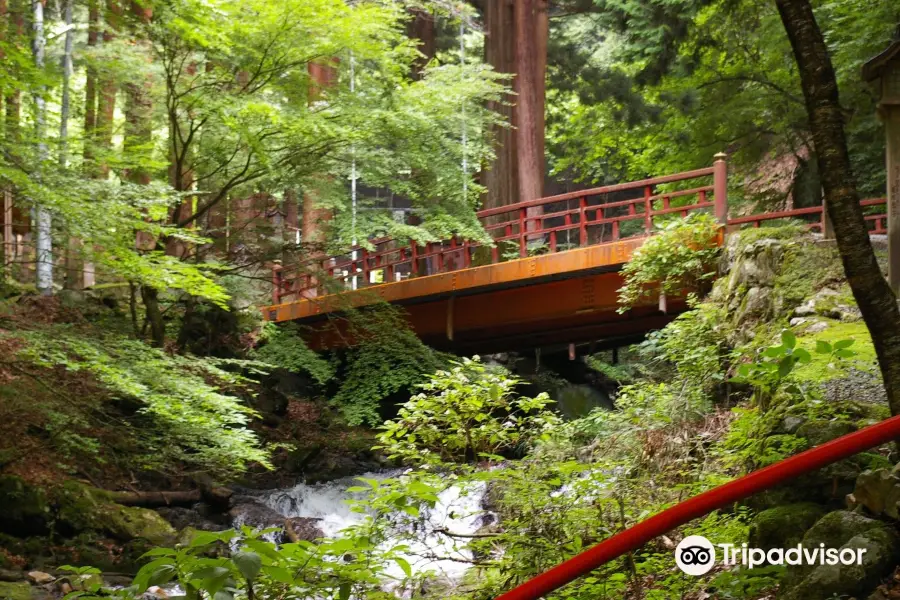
882	550
19	590
820	431
783	526
25	508
81	508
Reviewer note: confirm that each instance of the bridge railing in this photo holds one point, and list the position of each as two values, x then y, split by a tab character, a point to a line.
875	215
545	225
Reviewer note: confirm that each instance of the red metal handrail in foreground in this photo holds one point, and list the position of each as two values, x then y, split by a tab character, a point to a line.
683	512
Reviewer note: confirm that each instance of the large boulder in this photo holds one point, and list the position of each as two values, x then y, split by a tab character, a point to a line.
879	492
843	530
783	526
81	508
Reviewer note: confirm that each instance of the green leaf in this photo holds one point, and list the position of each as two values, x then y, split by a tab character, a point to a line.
785	366
404	564
788	338
773	351
844	353
802	355
823	347
344	592
248	563
841	344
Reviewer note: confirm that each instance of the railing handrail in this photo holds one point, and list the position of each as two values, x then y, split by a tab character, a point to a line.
606	189
634	537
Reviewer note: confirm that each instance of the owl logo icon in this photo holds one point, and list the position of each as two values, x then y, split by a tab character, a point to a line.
695	555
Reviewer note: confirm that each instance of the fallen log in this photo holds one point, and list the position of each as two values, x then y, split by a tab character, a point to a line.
155	499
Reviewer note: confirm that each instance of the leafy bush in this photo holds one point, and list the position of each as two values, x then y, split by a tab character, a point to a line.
283	347
187	419
679	257
386	357
466	413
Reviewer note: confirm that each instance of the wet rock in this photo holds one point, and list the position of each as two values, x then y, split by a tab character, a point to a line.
40	578
247	511
792	423
783	526
180	518
303	528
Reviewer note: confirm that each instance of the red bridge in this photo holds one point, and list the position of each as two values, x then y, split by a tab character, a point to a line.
551	277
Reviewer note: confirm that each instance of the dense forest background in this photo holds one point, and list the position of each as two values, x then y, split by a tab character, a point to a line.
159	158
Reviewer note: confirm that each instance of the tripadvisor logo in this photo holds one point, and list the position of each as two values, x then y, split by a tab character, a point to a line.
696	555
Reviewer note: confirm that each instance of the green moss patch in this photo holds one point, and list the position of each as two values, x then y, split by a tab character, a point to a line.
820	370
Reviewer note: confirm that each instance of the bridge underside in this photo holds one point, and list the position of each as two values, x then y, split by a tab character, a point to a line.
538	302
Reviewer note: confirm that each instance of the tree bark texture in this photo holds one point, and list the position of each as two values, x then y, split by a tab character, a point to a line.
516	43
421	27
873	295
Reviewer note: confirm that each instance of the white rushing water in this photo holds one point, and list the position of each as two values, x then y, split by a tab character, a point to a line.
458	510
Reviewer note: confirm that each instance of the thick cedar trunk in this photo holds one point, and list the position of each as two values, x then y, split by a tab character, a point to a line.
106	100
5	196
421	27
138	125
870	289
501	178
530	101
314	219
516	43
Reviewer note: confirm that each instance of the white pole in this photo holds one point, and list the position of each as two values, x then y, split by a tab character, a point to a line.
354	281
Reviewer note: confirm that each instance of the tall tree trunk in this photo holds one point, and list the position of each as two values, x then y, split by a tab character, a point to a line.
530	68
138	120
150	297
314	218
870	289
422	28
44	240
74	279
501	178
5	194
106	99
90	85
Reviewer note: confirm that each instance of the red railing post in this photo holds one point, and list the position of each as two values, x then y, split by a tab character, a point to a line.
414	258
276	284
582	222
523	220
648	209
720	187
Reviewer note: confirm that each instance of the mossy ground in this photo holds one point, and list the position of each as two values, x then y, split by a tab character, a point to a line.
821	368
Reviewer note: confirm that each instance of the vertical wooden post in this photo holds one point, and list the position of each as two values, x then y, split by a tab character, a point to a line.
892	130
450	303
648	210
720	188
827	227
582	222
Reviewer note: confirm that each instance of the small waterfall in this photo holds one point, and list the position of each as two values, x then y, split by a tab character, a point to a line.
458	510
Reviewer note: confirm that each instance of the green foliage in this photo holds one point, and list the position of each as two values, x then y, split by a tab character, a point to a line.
470	412
386	357
773	365
678	258
190	420
283	347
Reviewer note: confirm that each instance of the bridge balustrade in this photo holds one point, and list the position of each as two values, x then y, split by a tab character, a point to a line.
544	225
